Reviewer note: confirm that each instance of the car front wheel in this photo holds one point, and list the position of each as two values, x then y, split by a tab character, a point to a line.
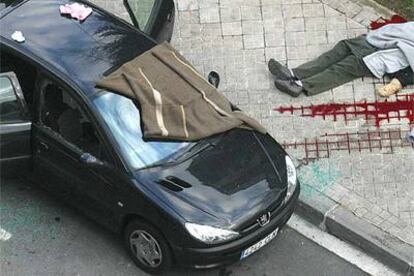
147	247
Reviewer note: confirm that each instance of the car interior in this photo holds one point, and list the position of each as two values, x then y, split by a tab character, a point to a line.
25	72
63	115
59	111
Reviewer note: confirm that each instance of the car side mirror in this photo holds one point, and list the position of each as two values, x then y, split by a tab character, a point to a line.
90	160
214	79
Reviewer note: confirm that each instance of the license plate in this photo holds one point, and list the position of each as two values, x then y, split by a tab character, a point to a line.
258	245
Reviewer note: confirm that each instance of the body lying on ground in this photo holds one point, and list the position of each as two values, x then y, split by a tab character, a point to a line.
386	51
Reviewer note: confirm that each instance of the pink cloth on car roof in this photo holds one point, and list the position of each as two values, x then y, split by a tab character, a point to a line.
76	11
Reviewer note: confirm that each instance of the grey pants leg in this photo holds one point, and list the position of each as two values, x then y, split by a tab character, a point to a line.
336	54
346	70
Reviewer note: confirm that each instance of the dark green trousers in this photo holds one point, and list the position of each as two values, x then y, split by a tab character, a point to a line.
336	67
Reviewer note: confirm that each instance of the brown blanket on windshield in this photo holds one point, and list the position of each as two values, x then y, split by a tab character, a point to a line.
176	102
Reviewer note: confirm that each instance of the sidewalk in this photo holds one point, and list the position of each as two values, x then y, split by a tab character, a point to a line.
355	154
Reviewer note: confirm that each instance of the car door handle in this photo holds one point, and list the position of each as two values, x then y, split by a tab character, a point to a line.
43	146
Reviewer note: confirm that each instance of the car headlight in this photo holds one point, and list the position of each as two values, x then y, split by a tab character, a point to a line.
291	178
209	234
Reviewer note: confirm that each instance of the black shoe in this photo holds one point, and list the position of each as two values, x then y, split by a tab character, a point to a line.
289	87
279	71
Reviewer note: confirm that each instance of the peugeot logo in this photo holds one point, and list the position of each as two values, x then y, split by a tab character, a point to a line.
264	219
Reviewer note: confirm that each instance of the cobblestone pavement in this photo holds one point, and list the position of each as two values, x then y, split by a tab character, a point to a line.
365	168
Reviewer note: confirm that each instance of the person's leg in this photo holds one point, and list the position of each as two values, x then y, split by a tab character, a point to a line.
313	67
346	70
339	52
357	46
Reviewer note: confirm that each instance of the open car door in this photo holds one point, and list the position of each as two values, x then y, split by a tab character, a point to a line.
15	125
153	17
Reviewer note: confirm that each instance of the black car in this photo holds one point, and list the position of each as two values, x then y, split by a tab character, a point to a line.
200	204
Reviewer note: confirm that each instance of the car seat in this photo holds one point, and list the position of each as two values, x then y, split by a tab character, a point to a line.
70	126
53	106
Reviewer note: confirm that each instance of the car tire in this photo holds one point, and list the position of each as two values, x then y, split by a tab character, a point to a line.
147	247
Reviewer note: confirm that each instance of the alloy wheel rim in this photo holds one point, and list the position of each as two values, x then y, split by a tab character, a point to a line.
145	248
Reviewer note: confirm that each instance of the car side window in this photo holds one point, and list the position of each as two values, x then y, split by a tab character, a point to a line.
62	114
10	108
142	10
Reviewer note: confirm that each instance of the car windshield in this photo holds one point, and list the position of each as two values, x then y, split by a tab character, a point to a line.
123	119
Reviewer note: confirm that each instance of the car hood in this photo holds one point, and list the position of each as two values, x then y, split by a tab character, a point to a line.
224	181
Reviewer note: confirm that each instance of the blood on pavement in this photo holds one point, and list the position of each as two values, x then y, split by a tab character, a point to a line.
401	108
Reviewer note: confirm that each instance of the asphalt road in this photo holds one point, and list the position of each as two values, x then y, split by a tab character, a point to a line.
41	236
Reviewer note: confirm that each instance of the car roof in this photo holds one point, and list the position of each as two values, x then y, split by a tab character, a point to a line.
82	51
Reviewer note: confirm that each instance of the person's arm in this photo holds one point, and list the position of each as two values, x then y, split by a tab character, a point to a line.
404	76
399	80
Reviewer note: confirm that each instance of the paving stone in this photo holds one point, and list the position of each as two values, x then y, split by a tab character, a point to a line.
344	93
251	13
186	5
252	27
349	8
352	24
294	24
316	37
271	2
210	14
296	1
239	3
315	24
331	12
292	11
211	30
230	14
296	39
189	17
190	30
272	12
207	3
336	23
273	25
296	52
234	43
336	36
313	10
366	16
233	28
253	41
277	53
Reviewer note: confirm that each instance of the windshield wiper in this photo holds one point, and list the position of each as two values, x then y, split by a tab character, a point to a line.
187	152
158	164
210	142
195	149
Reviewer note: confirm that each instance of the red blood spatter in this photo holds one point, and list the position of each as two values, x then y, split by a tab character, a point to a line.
401	108
370	140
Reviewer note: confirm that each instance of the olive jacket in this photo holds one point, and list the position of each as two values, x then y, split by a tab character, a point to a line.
176	102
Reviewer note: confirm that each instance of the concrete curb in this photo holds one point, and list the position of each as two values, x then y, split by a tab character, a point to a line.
342	223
